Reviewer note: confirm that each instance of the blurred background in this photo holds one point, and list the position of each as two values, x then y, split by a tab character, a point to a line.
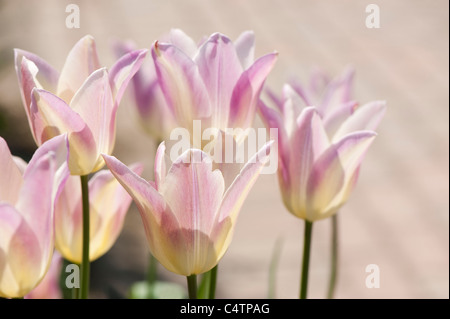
398	216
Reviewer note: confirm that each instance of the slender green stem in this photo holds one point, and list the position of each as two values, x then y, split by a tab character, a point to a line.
152	269
84	290
212	282
305	265
152	273
334	256
192	286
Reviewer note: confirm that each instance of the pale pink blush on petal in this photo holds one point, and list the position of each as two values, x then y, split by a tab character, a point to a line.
11	177
81	61
245	97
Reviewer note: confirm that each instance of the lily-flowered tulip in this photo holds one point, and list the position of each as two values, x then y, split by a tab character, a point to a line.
82	100
188	216
217	82
49	288
109	203
329	95
153	113
320	154
27	197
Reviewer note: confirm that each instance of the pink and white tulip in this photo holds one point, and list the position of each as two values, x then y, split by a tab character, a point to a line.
153	113
27	197
82	100
320	153
187	214
217	82
109	204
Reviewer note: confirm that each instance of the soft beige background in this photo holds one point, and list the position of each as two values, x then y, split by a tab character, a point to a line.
398	216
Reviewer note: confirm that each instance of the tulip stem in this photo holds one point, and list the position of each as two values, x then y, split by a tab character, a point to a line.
334	257
212	282
192	286
305	265
84	291
152	274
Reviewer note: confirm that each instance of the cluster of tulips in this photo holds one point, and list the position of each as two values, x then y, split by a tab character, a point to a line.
63	200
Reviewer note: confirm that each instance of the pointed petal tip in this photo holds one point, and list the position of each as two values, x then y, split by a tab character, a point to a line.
161	147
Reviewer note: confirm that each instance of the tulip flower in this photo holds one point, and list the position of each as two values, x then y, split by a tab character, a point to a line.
49	288
82	100
188	216
327	94
109	203
316	171
320	152
154	116
217	83
27	197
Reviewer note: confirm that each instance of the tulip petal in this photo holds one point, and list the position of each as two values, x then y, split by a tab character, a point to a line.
149	99
338	91
366	117
291	109
303	93
21	164
181	83
245	97
11	177
235	197
160	166
20	255
220	69
123	70
277	100
37	195
109	203
49	288
334	172
100	119
334	119
181	40
161	226
194	191
59	148
32	71
245	48
242	184
31	247
69	221
51	116
308	142
81	61
273	119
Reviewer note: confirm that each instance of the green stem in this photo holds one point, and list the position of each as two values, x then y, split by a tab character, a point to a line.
152	273
212	282
84	290
306	253
334	257
152	269
192	286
